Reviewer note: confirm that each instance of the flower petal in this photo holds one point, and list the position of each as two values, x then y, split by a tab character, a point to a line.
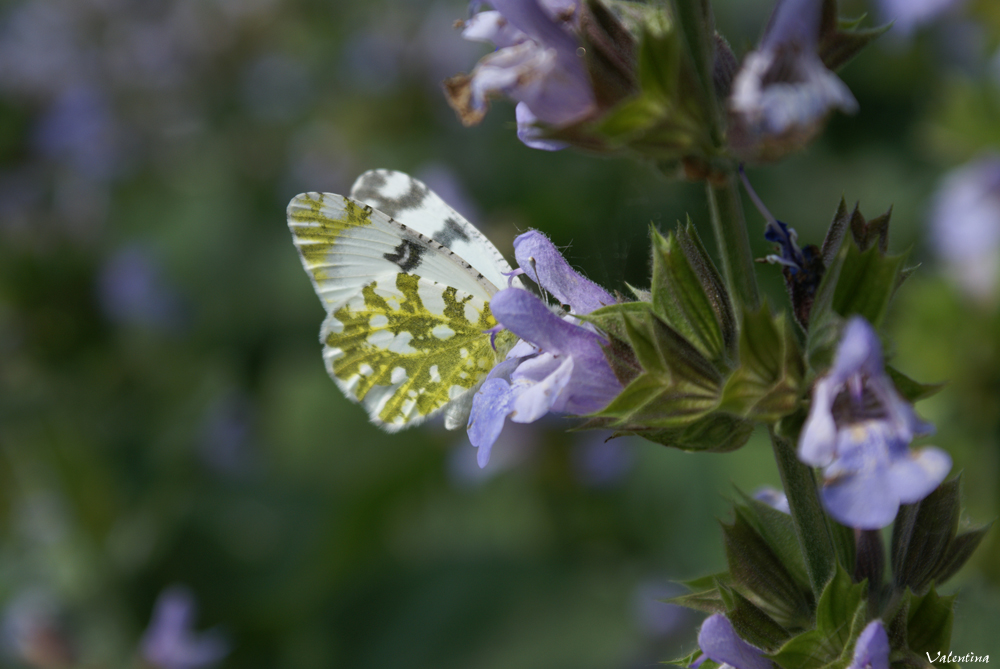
491	26
542	262
527	316
872	648
793	22
530	134
818	441
916	474
864	499
859	352
720	642
490	408
537	399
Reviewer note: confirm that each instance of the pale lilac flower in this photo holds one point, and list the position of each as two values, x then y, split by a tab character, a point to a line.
872	649
132	290
720	643
170	641
536	64
774	498
783	92
908	15
965	225
559	364
859	430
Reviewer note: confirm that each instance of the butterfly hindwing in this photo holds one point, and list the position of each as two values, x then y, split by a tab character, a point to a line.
405	347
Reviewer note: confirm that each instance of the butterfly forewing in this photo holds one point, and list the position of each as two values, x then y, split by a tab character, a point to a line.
416	206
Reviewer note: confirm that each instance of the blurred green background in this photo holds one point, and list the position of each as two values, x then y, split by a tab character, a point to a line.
165	417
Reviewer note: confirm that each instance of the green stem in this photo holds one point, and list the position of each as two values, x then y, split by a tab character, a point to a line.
698	26
807	512
730	229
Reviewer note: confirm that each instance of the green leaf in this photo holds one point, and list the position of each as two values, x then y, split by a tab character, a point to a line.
805	651
837	608
928	626
752	623
756	569
959	551
911	390
778	530
840	615
866	283
716	432
708	601
678	385
768	383
922	535
688	293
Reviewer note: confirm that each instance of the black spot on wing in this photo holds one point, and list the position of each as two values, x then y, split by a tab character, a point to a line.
450	232
371	188
406	256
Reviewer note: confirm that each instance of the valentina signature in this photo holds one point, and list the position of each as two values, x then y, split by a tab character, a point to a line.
951	657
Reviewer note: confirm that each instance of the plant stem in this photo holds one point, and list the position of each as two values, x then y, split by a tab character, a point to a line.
730	230
807	512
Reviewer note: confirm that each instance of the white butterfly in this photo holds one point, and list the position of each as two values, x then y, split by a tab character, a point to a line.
406	282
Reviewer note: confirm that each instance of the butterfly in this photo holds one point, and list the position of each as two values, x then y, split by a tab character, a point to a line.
406	282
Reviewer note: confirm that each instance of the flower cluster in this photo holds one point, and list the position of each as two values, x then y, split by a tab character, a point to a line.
859	430
536	64
559	364
783	91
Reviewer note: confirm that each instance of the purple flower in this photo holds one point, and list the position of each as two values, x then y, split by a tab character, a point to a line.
536	64
783	92
774	498
859	430
170	643
872	648
720	643
559	364
907	15
965	225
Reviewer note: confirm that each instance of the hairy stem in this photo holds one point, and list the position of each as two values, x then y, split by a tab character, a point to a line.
730	230
807	513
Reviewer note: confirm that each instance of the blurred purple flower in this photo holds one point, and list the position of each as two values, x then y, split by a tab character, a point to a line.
536	64
720	643
132	291
783	92
965	225
170	641
872	648
774	498
908	15
80	130
559	364
655	616
859	430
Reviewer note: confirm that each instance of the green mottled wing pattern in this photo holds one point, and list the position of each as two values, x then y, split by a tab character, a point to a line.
405	332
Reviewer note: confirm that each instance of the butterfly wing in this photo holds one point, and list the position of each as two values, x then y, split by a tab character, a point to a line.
404	332
410	202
